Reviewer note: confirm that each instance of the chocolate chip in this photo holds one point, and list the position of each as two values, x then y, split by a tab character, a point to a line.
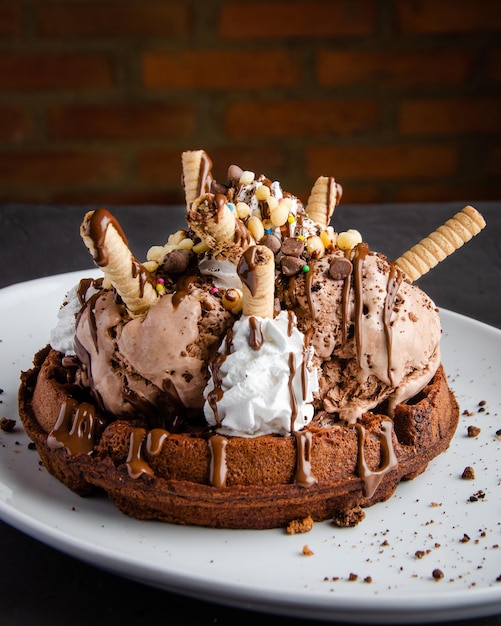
176	262
468	473
291	265
271	242
340	268
292	247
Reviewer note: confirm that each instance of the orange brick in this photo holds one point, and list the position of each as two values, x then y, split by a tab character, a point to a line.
44	70
310	18
449	116
124	18
448	16
58	167
221	69
159	165
10	18
379	162
393	68
122	121
300	118
15	124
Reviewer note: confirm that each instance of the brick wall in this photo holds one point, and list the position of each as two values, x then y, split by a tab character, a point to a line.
400	100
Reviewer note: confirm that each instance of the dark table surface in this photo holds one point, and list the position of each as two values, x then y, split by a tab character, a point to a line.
39	585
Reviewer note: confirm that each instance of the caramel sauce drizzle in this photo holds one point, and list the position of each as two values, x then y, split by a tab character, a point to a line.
218	467
76	429
135	463
389	461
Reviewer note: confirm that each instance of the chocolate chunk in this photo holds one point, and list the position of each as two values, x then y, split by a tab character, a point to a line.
7	424
468	473
234	173
473	431
176	262
271	242
340	268
291	265
292	247
348	519
216	187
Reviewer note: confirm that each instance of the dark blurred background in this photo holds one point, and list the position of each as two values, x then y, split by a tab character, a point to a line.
398	99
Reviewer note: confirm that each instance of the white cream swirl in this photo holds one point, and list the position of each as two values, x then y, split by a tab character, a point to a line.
264	388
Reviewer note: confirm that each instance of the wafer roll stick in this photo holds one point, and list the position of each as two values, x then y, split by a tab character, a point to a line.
256	269
107	243
441	243
324	196
197	177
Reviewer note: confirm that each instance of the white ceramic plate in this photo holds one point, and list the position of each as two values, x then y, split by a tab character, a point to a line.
431	516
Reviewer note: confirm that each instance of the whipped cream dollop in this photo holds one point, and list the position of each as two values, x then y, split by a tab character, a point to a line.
263	380
62	336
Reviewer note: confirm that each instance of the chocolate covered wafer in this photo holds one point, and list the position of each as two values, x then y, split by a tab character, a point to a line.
324	196
107	243
441	243
256	269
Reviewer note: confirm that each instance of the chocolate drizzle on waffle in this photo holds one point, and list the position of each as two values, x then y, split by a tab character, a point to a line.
77	428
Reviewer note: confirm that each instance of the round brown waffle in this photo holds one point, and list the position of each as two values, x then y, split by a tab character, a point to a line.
327	471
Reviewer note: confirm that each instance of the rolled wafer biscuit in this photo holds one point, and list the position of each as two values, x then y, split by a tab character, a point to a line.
256	269
441	243
107	243
324	196
197	177
211	218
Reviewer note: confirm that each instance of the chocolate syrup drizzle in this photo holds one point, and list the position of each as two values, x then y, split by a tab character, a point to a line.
76	429
135	463
394	280
218	465
372	478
